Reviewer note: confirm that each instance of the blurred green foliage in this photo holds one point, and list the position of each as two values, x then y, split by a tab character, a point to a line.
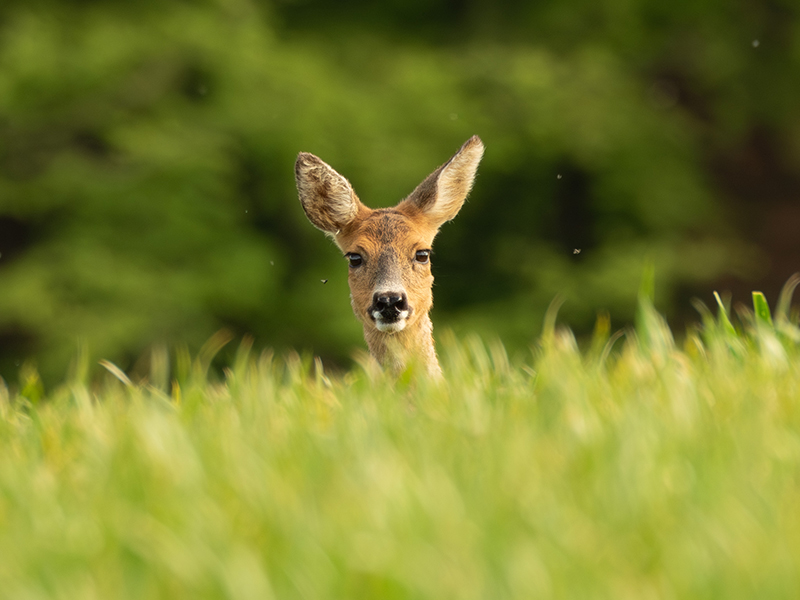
146	180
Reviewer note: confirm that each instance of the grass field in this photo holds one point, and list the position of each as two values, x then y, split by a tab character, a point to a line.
636	467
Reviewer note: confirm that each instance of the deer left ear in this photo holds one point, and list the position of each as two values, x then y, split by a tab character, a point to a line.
327	198
442	194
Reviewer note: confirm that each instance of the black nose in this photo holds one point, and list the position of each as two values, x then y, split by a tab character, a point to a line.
389	304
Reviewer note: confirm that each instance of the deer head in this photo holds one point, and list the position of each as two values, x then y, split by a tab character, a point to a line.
389	249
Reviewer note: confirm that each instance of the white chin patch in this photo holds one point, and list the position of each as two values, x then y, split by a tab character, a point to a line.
394	326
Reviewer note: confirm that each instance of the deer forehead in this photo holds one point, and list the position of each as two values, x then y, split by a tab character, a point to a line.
389	230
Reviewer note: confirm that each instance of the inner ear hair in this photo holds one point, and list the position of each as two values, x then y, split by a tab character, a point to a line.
442	194
327	197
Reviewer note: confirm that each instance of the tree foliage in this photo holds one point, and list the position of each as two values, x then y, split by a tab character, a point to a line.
146	184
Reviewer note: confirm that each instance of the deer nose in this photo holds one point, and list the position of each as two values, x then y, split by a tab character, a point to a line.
390	302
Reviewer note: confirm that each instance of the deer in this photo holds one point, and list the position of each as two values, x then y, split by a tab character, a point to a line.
389	251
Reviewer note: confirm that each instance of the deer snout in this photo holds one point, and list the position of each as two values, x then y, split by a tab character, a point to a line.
389	304
389	310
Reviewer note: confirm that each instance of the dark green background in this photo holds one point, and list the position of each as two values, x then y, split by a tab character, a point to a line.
147	150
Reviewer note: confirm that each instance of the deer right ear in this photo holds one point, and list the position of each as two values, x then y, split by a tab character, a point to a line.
440	196
328	198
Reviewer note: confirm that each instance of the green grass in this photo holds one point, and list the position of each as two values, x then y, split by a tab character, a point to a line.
633	468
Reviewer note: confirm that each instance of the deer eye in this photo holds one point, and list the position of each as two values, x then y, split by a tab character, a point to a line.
423	256
355	259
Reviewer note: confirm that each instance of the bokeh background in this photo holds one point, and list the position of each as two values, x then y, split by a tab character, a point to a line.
147	150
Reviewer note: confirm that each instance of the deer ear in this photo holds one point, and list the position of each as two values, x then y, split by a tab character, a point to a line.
328	198
442	194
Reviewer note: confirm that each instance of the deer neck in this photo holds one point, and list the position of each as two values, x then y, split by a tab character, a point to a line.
393	350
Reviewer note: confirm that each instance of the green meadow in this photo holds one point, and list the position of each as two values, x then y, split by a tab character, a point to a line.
641	464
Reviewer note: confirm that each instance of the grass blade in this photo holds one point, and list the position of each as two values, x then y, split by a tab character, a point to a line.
724	320
785	299
761	309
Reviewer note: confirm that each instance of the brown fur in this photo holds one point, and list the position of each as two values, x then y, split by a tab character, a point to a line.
388	241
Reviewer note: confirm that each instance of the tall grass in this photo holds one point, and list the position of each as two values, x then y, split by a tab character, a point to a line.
633	468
